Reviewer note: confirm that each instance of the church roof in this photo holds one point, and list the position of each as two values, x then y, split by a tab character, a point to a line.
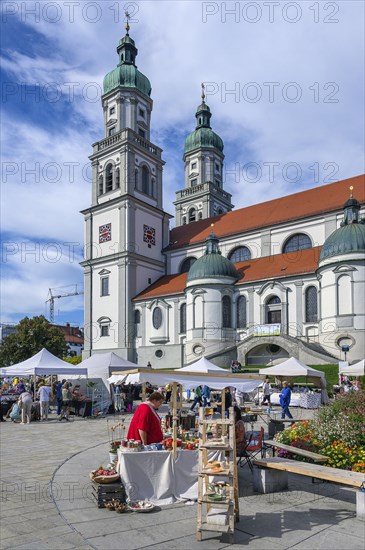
323	199
260	269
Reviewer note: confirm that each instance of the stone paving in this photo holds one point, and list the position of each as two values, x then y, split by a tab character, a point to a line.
46	502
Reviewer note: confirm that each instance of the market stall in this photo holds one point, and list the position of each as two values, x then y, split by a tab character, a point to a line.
164	476
293	368
358	369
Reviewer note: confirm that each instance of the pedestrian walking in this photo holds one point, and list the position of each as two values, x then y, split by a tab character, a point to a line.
285	397
45	395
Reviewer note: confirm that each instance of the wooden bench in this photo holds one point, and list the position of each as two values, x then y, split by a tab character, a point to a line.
267	481
294	450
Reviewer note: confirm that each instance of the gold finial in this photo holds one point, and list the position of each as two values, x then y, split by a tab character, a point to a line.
351	188
203	92
212	225
127	27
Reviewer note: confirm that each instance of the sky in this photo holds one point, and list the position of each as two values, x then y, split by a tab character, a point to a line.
284	81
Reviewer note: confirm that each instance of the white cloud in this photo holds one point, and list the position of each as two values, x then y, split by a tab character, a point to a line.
177	51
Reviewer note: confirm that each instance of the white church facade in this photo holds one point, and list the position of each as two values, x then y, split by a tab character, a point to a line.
281	278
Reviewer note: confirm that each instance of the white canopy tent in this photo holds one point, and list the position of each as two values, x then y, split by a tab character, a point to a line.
43	362
202	365
100	366
188	380
358	369
292	368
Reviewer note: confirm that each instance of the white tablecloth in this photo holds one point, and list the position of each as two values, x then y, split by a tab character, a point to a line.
294	400
156	476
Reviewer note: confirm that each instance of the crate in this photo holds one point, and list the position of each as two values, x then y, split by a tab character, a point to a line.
104	493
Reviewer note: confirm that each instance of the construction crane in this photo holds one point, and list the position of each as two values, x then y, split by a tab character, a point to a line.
55	293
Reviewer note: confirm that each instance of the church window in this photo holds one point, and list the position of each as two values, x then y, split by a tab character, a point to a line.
239	254
184	220
300	241
183	319
226	312
112	110
104	330
186	265
311	305
217	167
193	165
141	113
344	295
111	131
241	312
273	310
145	180
194	182
104	283
218	183
274	300
141	132
101	185
200	215
192	215
117	178
157	318
109	178
137	323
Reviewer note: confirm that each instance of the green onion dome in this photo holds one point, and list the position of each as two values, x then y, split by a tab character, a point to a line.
203	136
126	74
212	264
348	238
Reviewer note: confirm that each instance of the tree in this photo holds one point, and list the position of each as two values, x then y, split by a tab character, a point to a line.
32	335
75	360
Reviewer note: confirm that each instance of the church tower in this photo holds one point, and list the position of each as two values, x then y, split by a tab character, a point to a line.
126	227
203	196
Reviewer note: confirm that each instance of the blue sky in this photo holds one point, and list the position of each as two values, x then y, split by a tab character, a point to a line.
293	119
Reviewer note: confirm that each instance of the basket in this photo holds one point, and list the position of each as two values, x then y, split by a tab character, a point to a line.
103	479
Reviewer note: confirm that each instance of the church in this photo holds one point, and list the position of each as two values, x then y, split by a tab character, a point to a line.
259	284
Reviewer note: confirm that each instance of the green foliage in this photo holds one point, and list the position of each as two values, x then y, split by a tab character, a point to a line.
32	335
75	360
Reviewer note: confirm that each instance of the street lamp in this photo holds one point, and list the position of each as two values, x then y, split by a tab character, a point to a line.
345	349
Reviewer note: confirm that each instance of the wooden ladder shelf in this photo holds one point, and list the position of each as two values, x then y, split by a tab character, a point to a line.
217	512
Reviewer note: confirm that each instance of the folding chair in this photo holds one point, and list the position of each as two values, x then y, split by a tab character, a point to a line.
251	450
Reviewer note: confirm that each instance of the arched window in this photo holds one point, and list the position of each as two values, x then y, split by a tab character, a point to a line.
300	241
226	312
101	185
109	178
186	265
117	178
241	312
157	318
274	300
192	215
183	319
137	322
344	295
145	180
239	254
136	178
311	305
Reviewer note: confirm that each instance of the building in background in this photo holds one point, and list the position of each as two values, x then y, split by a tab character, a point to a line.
74	338
262	283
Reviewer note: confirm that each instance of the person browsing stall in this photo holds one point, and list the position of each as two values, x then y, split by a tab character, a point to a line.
285	397
146	424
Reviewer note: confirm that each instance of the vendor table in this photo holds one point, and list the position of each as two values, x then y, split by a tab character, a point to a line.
156	476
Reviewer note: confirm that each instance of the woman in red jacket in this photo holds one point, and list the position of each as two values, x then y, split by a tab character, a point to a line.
146	424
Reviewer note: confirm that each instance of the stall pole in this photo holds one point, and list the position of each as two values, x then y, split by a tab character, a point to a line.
223	410
174	418
181	398
143	391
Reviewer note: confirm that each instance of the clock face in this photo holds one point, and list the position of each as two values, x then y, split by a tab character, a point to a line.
149	234
105	233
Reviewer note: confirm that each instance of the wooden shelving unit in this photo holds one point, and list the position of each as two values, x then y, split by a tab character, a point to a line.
213	515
